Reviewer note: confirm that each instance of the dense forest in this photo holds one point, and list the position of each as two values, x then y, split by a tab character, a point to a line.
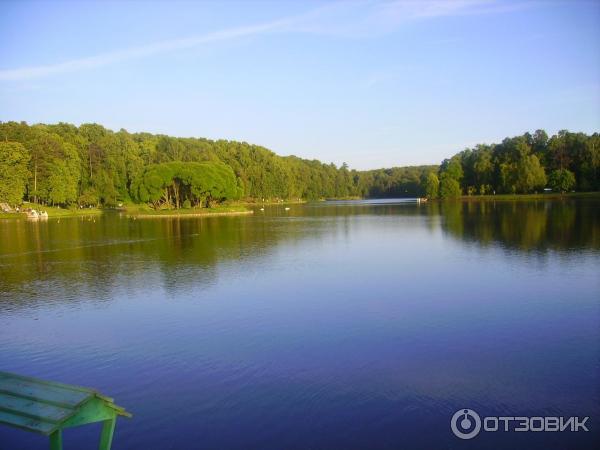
519	165
90	165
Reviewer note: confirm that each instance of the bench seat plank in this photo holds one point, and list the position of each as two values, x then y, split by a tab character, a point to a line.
58	396
26	423
33	409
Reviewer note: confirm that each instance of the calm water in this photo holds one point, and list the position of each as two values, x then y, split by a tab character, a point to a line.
344	325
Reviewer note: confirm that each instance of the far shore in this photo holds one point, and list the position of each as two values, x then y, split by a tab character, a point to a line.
247	207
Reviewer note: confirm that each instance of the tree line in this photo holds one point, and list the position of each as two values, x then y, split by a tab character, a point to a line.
63	164
520	165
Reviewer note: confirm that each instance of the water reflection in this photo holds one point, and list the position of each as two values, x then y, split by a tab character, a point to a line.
83	254
524	225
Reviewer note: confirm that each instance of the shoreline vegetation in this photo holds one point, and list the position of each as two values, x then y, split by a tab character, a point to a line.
145	211
79	170
242	208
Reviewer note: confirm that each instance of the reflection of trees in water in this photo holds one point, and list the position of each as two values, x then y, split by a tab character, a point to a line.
524	225
83	258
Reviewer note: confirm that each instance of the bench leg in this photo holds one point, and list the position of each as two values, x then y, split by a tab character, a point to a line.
56	440
108	429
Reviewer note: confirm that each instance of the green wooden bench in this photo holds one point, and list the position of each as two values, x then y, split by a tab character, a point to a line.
47	407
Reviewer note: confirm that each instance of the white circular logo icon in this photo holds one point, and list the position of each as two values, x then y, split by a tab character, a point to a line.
465	424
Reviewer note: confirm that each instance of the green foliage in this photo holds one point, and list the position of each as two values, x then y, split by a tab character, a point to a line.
13	172
60	186
433	186
395	182
91	165
89	197
451	174
483	167
107	167
452	168
519	165
172	184
562	180
449	187
530	174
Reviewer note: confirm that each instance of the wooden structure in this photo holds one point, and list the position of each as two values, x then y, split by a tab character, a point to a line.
47	407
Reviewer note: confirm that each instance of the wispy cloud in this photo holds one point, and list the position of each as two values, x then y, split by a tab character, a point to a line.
374	18
139	52
344	19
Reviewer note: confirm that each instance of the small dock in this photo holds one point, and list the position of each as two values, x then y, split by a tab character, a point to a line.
47	408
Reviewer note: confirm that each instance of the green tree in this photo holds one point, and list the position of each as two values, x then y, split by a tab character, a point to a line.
170	185
483	168
61	180
530	174
449	187
89	197
433	186
13	172
451	174
519	170
452	168
562	180
59	189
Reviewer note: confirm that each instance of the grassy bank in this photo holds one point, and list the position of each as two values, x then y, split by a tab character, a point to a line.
53	211
144	211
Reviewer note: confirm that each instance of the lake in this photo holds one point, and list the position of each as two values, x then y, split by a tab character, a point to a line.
334	325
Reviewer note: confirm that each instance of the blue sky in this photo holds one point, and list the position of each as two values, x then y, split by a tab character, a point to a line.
375	84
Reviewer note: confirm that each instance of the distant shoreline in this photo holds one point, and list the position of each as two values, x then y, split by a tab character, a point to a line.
142	212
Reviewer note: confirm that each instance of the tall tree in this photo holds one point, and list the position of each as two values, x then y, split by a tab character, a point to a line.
13	172
433	186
